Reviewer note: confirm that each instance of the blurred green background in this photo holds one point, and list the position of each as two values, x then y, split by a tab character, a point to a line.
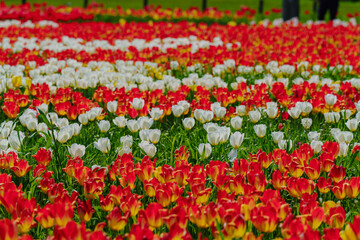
306	5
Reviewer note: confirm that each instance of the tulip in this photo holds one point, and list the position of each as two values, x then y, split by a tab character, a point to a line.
204	150
156	113
104	126
254	116
277	136
241	110
85	210
330	99
272	112
126	141
352	124
103	145
236	139
260	130
21	167
188	123
145	122
177	110
83	118
133	125
116	220
64	135
121	122
306	122
148	148
4	145
352	230
154	136
15	140
76	150
316	146
294	112
285	144
213	138
236	123
43	156
137	103
112	106
313	136
344	148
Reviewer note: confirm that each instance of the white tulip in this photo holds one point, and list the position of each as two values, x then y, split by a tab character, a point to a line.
185	104
344	148
64	135
213	138
104	126
76	128
52	117
133	125
145	122
316	146
306	122
42	127
32	124
277	136
352	124
156	113
137	103
205	150
313	136
120	121
76	150
305	107
330	99
260	130
43	107
177	110
236	122
188	123
285	144
62	122
148	148
124	150
112	106
154	136
126	141
15	140
236	139
294	112
219	112
272	112
345	113
241	110
103	145
83	118
4	144
254	116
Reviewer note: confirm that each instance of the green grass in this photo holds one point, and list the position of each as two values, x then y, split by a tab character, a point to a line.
345	7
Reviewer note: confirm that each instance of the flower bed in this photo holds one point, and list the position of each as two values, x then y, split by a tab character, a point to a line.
177	130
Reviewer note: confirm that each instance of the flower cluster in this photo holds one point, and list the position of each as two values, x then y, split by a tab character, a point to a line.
164	130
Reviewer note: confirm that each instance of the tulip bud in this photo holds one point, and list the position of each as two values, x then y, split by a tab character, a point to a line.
148	148
83	118
76	150
352	124
313	136
272	112
133	125
277	136
236	123
294	112
241	110
126	141
145	122
104	126
120	121
156	113
316	146
112	106
306	122
254	116
137	103
344	148
236	139
213	138
260	130
330	99
188	123
204	149
103	145
177	110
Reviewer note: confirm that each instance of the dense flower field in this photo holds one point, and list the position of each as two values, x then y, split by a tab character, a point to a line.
164	130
